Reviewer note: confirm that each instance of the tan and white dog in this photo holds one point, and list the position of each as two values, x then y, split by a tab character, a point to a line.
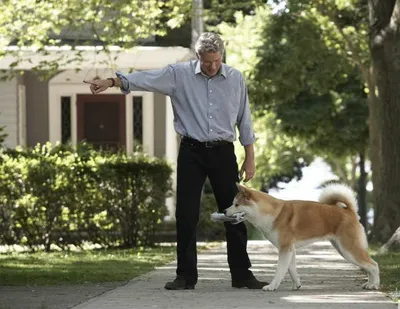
290	224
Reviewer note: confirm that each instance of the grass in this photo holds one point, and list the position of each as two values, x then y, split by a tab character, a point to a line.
57	268
389	267
111	265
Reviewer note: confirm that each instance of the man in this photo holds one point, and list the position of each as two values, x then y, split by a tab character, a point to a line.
209	98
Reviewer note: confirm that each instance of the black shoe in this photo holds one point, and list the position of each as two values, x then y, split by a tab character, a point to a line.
251	283
179	283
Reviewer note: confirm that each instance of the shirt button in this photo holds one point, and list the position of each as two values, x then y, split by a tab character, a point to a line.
210	103
210	116
210	90
211	130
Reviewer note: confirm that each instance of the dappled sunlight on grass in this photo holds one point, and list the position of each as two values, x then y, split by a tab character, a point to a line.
389	268
80	267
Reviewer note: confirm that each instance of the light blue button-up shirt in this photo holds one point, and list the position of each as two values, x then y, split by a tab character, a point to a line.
206	109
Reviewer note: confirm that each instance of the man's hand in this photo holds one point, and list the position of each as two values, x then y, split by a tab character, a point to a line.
248	168
98	85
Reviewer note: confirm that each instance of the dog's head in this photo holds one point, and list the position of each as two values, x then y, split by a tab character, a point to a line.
244	201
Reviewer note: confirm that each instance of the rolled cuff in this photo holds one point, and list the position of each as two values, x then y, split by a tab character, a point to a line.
124	81
247	140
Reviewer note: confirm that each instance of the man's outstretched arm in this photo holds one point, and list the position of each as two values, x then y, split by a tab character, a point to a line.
162	81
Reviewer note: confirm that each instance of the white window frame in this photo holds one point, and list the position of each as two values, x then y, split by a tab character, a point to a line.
21	115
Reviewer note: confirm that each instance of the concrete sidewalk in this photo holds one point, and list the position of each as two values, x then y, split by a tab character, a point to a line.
328	281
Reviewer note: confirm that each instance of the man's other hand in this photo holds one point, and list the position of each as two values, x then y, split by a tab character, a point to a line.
98	85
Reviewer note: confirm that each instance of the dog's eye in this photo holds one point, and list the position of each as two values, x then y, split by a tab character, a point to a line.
236	205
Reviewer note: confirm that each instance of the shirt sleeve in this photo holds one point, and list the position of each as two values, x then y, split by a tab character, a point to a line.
162	81
244	123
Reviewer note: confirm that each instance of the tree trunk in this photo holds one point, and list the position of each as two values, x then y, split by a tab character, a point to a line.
362	192
375	154
393	243
385	54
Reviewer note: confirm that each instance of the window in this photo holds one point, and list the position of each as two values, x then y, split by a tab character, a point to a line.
65	120
137	121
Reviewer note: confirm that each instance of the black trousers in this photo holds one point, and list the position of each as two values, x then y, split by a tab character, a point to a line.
218	163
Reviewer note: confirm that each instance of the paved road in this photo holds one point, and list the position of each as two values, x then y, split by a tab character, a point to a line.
328	281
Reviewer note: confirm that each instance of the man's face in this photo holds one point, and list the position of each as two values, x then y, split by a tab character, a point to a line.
210	63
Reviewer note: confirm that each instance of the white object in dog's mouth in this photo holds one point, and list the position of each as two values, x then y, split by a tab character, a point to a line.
234	218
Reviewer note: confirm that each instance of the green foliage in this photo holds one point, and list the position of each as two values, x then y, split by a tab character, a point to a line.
109	22
312	46
42	24
58	195
334	122
133	192
302	65
295	57
311	74
279	156
224	11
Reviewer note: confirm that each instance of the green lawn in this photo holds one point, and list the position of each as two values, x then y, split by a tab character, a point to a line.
389	266
109	265
79	267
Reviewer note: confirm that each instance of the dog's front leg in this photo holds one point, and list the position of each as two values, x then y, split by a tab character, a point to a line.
285	257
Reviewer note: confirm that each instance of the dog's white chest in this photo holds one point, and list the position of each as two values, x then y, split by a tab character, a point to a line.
265	222
265	225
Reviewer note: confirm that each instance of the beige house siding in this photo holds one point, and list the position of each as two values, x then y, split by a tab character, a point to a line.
9	111
37	97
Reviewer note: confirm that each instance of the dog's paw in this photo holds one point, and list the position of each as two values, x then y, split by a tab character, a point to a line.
270	287
296	284
370	286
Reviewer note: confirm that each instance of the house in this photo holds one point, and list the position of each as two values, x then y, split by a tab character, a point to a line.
62	108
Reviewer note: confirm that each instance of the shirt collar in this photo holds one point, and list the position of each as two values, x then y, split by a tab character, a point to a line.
222	69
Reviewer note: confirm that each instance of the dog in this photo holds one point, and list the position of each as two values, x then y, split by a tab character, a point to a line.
290	224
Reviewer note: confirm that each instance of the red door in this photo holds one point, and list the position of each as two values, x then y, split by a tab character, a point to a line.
101	120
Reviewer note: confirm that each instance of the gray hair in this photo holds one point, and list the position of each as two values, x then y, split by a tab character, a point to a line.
209	42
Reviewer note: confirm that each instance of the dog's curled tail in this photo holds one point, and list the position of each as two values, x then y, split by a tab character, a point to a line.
340	195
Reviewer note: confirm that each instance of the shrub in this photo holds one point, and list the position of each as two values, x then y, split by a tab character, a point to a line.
60	195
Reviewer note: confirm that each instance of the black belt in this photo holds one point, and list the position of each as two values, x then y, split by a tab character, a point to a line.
195	142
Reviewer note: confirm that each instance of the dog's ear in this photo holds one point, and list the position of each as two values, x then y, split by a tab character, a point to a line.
243	189
240	187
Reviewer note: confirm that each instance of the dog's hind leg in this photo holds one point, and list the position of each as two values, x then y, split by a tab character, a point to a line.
293	272
285	257
335	245
356	253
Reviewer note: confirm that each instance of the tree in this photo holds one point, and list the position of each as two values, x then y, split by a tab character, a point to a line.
224	11
334	126
393	244
385	51
43	24
345	28
279	157
313	47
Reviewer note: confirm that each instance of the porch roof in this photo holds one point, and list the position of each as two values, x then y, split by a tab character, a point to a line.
137	58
